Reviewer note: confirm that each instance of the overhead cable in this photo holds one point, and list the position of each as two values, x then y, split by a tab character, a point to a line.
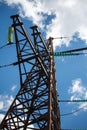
60	37
70	113
18	62
59	54
83	100
74	50
6	45
3	46
7	65
74	129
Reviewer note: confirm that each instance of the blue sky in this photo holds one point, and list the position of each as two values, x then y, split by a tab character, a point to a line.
66	19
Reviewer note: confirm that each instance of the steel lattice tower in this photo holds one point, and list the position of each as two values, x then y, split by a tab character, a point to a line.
35	107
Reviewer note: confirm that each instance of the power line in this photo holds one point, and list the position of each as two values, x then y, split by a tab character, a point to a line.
67	54
7	65
84	100
74	50
18	62
60	37
54	54
75	129
70	113
5	45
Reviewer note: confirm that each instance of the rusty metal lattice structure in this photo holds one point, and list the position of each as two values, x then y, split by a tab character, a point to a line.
35	107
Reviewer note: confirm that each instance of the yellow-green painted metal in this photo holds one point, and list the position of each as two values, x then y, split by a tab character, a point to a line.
10	35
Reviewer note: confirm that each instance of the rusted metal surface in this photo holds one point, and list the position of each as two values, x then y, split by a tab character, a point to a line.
35	107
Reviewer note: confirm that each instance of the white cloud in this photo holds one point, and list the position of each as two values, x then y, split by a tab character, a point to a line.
78	92
1	105
13	88
1	117
5	102
77	87
33	10
70	16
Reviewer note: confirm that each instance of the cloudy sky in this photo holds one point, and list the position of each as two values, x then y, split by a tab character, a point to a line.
55	18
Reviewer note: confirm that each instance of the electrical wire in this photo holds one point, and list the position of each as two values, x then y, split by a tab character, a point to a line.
3	66
16	63
70	113
55	54
67	54
3	46
75	129
63	53
60	37
74	50
83	100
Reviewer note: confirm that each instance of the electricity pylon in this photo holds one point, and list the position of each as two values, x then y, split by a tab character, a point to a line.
35	107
